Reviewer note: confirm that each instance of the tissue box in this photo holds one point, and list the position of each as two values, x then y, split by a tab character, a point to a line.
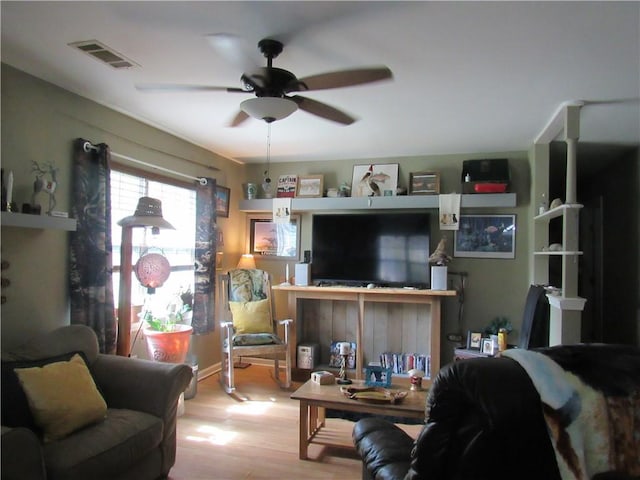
323	378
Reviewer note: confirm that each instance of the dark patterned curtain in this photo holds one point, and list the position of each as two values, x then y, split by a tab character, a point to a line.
91	288
205	254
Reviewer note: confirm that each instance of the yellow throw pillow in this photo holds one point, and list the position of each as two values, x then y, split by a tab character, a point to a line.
251	317
62	397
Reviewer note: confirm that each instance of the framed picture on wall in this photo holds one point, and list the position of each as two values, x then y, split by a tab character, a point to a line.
486	236
222	201
374	180
276	241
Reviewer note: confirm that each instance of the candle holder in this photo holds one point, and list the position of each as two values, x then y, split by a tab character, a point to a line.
344	350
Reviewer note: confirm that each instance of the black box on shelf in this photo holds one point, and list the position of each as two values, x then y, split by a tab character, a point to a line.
489	175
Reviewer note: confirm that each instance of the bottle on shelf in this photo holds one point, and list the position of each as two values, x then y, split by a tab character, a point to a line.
544	204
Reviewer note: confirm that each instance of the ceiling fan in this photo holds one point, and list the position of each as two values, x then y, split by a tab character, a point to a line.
272	88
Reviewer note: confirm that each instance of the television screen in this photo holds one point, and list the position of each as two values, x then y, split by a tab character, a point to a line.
387	249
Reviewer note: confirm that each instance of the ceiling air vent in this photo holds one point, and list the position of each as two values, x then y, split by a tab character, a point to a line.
103	53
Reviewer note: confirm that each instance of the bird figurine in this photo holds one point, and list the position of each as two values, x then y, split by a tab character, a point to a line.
439	256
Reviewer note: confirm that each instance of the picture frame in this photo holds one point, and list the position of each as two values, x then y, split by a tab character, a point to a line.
310	186
376	376
424	183
488	347
486	236
373	180
223	194
474	340
273	241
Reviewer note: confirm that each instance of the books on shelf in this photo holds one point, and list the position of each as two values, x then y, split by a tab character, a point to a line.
401	363
286	186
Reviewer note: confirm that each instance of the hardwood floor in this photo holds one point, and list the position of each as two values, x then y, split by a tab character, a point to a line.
222	437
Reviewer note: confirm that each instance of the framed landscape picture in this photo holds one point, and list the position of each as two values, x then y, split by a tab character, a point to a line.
424	183
277	241
222	201
374	180
486	236
310	186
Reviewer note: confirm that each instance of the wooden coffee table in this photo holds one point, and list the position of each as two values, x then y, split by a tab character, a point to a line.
314	399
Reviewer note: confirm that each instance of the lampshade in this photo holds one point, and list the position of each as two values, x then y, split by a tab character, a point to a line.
148	214
247	262
269	109
152	270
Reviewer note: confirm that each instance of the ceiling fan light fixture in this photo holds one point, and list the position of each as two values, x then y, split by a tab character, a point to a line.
269	109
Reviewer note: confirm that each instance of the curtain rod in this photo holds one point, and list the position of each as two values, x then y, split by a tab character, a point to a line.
88	146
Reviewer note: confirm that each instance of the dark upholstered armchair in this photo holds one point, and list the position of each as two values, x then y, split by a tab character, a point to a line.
134	439
487	420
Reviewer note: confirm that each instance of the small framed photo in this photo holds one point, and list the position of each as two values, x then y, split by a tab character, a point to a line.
488	347
424	183
376	376
474	340
222	201
310	186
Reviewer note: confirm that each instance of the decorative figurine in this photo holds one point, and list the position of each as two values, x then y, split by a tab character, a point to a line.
42	185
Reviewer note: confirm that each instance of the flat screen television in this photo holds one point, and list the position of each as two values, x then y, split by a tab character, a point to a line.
386	249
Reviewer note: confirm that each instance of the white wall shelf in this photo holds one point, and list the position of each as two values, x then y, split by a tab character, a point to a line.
568	254
556	212
23	220
380	203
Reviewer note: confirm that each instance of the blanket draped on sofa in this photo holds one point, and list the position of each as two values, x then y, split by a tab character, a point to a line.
592	429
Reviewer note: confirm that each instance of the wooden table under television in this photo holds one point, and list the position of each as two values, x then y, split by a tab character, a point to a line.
315	398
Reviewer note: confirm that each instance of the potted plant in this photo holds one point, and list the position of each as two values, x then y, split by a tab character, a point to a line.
167	336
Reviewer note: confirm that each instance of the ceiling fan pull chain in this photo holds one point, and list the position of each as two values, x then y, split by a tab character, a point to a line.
266	183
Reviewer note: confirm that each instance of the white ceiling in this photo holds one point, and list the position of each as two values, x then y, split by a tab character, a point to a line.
469	77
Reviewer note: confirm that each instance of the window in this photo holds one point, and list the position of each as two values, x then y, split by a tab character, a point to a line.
178	208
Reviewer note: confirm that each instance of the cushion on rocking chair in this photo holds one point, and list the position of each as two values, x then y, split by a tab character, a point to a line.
255	339
251	317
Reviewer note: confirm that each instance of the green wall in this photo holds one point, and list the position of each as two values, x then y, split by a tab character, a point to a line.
40	121
493	287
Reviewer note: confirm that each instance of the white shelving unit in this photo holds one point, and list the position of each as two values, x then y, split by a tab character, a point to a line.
381	203
570	238
565	308
43	222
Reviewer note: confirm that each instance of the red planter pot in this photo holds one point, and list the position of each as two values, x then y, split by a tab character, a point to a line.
169	347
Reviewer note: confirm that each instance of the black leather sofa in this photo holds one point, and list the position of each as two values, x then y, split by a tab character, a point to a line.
485	420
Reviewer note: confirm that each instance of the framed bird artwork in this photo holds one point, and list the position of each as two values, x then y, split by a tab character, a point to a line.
374	180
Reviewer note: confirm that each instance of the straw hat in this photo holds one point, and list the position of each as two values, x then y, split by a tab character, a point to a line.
148	214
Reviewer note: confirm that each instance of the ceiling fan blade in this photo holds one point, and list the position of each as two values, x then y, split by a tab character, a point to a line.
177	87
239	118
322	110
343	78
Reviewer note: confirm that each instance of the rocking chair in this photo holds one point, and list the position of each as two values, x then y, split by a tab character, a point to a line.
245	295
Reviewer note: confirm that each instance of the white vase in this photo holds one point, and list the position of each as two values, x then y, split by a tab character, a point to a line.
439	277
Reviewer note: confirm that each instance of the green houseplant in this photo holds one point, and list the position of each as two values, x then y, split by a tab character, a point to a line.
167	335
